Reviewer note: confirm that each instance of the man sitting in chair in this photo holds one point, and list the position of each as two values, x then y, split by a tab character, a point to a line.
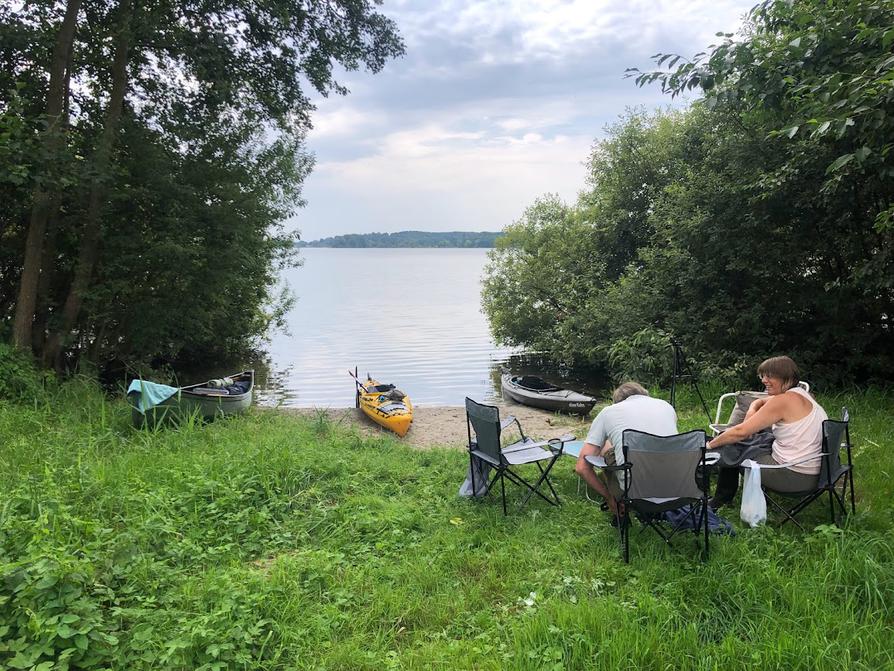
632	408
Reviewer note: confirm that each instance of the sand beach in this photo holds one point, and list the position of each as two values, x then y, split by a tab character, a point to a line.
440	426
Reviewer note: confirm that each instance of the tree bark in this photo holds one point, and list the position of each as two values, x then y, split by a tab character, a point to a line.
45	194
88	253
48	257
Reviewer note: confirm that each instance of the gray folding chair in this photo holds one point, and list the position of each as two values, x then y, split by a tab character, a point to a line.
660	474
836	438
484	422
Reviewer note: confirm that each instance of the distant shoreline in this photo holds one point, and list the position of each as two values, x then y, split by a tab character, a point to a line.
409	239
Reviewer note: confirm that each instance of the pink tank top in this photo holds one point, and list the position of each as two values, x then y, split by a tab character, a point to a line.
804	438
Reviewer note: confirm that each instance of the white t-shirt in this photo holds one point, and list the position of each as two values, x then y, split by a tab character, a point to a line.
642	413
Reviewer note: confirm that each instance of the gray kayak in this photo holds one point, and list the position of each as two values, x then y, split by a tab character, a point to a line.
533	391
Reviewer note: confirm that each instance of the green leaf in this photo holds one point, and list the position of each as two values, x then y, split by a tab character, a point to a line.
23	661
46	582
838	162
862	154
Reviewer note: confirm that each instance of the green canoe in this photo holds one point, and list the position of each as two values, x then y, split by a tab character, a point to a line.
208	400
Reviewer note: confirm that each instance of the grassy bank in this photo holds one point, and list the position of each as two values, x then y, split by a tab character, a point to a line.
270	542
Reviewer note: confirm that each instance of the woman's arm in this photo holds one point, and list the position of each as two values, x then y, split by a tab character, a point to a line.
768	413
756	405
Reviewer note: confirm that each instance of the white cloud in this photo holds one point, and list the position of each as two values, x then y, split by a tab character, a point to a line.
336	119
495	103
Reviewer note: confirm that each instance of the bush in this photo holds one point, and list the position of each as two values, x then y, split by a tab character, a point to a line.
20	380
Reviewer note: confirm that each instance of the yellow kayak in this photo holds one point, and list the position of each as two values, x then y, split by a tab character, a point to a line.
385	404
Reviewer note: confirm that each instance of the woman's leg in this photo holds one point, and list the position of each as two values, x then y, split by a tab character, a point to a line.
727	486
732	456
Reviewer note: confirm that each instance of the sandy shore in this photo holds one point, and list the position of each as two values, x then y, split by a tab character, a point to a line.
446	426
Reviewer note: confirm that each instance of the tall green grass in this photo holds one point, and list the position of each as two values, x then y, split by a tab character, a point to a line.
271	542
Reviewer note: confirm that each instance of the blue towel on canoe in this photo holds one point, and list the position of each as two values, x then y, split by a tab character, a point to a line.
150	394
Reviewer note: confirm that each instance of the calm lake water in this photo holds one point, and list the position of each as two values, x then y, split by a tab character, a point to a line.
411	317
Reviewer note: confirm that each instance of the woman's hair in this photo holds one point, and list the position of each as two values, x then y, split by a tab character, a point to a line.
781	367
627	390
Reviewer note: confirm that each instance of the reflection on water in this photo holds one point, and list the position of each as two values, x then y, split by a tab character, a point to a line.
407	316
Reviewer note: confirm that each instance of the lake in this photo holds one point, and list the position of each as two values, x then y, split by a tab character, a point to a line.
411	317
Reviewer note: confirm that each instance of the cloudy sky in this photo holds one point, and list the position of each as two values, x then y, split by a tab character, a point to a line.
495	103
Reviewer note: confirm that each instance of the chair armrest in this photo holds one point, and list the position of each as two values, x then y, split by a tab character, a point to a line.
506	422
712	458
597	461
522	445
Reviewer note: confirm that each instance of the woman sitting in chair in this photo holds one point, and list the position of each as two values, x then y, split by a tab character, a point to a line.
796	421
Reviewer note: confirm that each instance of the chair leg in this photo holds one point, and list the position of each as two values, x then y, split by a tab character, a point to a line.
544	475
832	504
472	471
549	483
705	518
503	491
850	479
788	515
624	524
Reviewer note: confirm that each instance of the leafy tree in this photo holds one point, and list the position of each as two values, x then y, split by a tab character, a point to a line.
179	84
814	82
733	262
540	286
827	68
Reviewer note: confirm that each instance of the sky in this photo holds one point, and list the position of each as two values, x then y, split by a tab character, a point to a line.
495	103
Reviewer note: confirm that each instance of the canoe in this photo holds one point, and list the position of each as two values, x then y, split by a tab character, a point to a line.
533	391
221	397
385	404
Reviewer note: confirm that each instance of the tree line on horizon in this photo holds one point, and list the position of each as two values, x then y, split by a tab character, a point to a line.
759	221
437	239
150	153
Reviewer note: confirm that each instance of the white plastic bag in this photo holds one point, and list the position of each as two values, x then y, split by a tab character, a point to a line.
754	504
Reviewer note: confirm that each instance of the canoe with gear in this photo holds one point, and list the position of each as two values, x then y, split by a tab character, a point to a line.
153	403
384	404
538	393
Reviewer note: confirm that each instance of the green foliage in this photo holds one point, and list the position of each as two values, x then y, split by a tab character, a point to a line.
826	66
753	224
537	286
711	229
207	164
643	356
442	239
20	380
270	542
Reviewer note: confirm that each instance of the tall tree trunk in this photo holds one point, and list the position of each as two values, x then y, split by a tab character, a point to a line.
44	194
88	253
44	285
48	258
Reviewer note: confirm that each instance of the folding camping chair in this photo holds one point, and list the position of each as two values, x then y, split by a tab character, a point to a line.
661	474
836	437
741	401
484	422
